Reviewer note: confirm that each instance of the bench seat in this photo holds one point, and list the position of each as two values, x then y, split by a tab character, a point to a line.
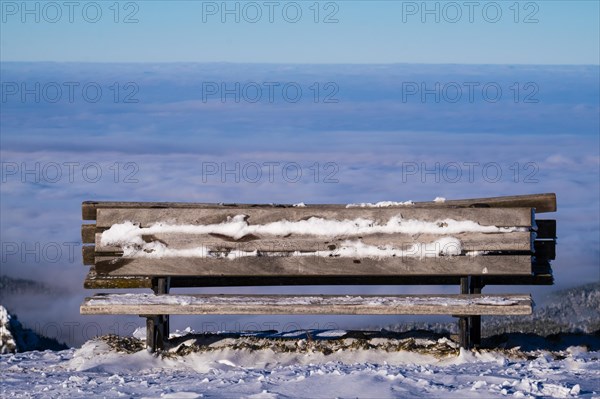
221	304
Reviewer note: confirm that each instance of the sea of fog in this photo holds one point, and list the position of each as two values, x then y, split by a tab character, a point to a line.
281	134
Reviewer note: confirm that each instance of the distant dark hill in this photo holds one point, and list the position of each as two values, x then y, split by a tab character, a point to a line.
574	310
16	338
12	287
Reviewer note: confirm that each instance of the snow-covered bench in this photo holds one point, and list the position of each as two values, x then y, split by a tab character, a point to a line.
471	243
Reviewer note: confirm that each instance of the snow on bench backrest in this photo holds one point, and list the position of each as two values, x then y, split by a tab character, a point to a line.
438	238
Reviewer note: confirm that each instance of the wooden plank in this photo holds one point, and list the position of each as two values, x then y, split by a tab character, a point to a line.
313	265
546	229
88	233
148	304
99	281
513	241
89	208
95	281
258	281
541	202
88	255
506	217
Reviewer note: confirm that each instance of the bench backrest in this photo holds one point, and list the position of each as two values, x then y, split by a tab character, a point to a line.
220	244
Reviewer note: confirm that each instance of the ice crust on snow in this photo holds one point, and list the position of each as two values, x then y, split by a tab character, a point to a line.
95	370
129	236
184	300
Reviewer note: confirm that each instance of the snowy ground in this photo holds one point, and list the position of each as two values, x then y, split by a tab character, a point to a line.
255	367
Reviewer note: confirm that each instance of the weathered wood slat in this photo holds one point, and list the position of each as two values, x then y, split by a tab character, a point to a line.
298	266
88	254
88	233
513	241
541	202
146	217
95	281
99	281
148	304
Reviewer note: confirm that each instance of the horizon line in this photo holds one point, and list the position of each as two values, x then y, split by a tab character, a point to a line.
286	63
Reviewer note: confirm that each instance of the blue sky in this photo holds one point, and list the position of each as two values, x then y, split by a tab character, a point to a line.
504	32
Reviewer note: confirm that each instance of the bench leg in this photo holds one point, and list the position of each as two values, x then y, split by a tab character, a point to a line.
156	332
475	321
470	326
464	332
157	326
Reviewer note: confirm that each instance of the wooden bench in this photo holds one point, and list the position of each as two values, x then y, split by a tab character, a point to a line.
471	243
